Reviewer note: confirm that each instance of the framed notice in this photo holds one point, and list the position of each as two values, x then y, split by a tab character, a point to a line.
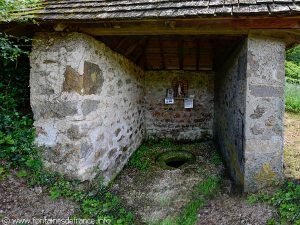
188	103
169	101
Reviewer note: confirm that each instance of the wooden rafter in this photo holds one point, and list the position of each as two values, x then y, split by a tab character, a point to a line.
121	42
174	52
197	54
134	46
142	57
163	63
180	53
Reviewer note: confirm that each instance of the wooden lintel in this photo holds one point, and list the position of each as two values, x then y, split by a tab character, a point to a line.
200	26
228	26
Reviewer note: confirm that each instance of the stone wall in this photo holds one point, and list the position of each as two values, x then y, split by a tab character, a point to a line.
173	121
249	111
264	112
93	107
87	103
230	104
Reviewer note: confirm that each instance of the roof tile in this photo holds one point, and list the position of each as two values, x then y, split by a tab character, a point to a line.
136	9
279	8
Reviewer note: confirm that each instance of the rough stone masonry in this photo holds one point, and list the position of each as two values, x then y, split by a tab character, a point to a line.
93	107
249	108
87	103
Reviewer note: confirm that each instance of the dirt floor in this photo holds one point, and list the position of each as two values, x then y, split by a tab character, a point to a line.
158	193
20	202
233	210
161	193
292	146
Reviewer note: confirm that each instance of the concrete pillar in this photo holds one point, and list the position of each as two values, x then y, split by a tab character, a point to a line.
88	105
249	110
264	112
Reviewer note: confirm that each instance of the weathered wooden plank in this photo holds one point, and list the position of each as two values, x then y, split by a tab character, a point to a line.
276	8
225	10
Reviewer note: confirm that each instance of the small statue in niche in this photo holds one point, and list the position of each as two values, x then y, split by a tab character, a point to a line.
170	93
180	88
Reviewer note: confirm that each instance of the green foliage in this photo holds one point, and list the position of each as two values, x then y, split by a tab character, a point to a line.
144	157
140	159
292	65
10	9
216	159
10	46
93	205
22	173
252	199
293	55
18	151
286	201
204	190
209	187
292	98
190	213
16	132
292	72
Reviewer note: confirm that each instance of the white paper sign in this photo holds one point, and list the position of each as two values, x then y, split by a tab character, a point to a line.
169	101
188	103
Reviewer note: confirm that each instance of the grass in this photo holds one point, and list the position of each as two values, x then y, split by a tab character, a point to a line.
286	202
286	199
292	98
19	156
144	157
203	191
292	145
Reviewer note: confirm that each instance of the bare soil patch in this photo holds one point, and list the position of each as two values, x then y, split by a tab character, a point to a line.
234	210
20	202
292	146
157	193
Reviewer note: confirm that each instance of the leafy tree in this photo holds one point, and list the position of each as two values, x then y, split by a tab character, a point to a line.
9	9
9	47
292	65
292	71
293	55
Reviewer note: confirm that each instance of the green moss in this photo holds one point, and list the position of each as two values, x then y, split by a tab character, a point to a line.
166	157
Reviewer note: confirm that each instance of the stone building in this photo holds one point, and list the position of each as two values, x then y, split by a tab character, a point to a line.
105	75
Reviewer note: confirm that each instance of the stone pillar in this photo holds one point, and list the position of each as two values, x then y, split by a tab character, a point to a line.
88	105
230	104
264	112
249	110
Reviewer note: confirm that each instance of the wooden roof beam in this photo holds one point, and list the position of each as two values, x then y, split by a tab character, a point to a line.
197	54
163	62
220	26
180	53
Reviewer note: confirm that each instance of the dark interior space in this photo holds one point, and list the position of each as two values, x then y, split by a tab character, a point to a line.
176	52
